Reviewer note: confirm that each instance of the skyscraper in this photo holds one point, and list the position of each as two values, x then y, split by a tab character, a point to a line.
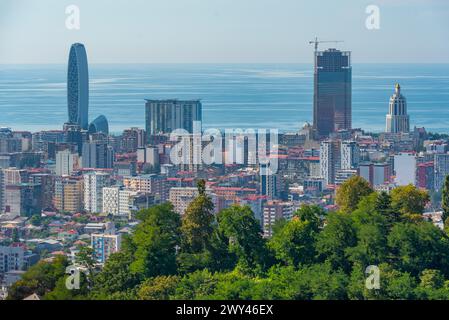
94	182
441	170
330	160
332	100
164	116
78	86
99	125
397	118
350	155
97	154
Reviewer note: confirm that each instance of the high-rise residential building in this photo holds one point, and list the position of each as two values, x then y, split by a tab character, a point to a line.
151	184
376	174
132	139
94	182
15	176
164	116
78	86
98	155
350	155
10	176
274	211
118	201
47	187
11	258
270	184
344	174
332	106
441	164
148	155
398	121
182	197
23	199
66	162
405	169
330	160
2	190
69	194
104	245
425	175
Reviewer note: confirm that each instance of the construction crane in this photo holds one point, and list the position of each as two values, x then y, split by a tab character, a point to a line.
316	42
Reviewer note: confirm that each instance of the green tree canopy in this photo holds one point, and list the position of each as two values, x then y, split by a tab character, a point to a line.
350	192
409	200
197	223
156	239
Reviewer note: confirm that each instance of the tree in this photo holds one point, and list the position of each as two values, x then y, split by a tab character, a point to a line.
155	240
40	279
312	213
15	235
418	246
197	223
332	242
371	248
409	200
85	258
445	199
243	236
432	286
116	276
350	192
294	242
159	288
383	206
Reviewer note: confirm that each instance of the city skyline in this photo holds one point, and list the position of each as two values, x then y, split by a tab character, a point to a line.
224	181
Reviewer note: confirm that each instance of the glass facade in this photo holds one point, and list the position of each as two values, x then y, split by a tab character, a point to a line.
78	86
100	124
164	116
332	92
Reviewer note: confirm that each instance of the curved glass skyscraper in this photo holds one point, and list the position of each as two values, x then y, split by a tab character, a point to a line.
78	86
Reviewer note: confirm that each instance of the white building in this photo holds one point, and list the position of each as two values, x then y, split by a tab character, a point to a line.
274	211
397	118
152	184
94	182
66	162
149	154
350	155
405	169
441	170
330	160
182	197
104	245
117	201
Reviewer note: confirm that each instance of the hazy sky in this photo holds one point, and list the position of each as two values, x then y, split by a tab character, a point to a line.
212	31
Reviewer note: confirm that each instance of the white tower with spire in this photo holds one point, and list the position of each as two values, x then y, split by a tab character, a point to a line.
397	118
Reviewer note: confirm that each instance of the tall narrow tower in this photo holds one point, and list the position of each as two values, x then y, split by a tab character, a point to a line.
397	118
78	86
332	100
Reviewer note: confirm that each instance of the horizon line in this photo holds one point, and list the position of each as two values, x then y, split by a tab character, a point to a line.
209	63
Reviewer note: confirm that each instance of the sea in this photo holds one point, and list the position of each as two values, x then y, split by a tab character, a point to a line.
269	96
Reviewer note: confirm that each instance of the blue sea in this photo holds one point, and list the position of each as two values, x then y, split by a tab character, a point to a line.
33	97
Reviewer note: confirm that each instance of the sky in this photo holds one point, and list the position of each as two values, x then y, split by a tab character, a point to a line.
223	31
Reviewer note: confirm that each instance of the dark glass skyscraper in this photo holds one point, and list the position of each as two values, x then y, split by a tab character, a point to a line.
78	86
332	109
